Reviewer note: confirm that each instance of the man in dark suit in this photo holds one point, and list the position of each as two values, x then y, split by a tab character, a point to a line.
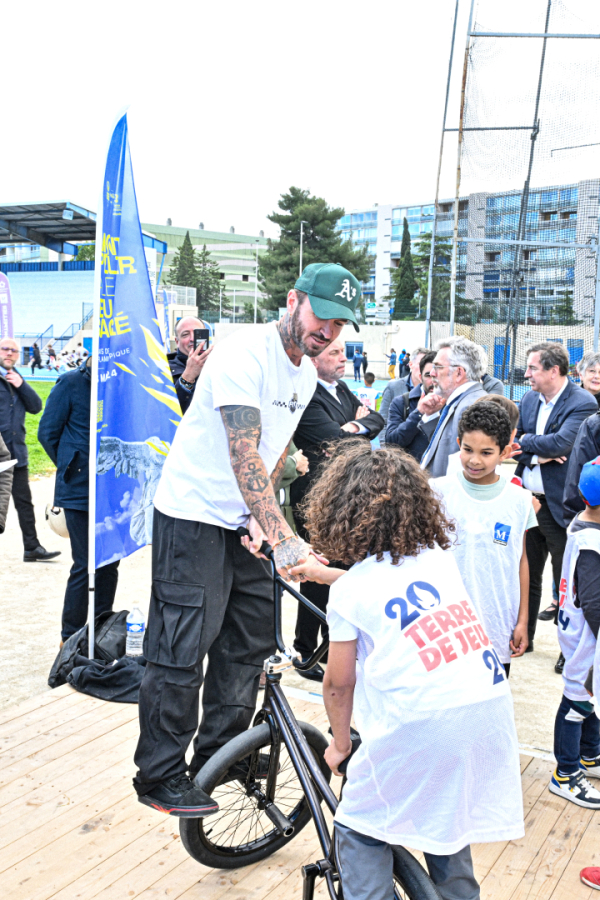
64	433
334	413
16	399
550	416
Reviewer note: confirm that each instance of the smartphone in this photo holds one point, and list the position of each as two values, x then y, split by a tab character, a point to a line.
201	334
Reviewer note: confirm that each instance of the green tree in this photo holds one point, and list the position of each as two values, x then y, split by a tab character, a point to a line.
440	283
86	251
183	269
208	281
321	243
563	312
404	283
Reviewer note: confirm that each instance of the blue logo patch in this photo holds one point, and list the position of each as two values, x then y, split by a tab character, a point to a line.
501	533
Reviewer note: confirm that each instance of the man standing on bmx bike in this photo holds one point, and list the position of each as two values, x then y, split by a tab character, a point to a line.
209	595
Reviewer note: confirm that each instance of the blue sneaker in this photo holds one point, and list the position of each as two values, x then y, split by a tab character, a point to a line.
575	788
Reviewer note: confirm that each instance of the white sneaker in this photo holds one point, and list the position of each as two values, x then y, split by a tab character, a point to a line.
590	767
575	788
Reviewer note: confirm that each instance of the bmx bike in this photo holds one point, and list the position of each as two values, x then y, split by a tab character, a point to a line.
272	779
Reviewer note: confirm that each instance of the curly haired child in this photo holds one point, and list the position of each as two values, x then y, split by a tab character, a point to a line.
438	766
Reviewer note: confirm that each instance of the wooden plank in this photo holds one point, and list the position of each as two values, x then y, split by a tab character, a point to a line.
60	766
97	727
587	853
546	868
41	713
19	709
504	877
57	719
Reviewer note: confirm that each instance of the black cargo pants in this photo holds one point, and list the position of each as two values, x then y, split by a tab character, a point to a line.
211	597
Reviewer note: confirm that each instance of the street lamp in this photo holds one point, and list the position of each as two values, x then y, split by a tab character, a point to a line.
301	242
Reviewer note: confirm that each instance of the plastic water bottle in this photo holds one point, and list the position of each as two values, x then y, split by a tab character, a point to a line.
136	626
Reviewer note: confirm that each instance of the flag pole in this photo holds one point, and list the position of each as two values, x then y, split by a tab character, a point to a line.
93	436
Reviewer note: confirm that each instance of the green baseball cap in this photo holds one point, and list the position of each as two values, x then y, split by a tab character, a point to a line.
333	291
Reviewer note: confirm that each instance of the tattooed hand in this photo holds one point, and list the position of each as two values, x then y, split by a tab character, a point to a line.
288	554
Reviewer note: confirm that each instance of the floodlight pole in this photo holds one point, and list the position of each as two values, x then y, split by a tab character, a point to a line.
596	246
302	224
256	285
437	190
220	303
458	171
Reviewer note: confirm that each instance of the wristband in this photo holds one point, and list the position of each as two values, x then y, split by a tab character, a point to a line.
277	543
189	385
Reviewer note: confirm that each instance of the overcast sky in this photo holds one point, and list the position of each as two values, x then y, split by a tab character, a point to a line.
230	103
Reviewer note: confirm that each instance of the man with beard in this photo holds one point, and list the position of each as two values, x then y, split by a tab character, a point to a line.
409	424
187	363
334	413
210	596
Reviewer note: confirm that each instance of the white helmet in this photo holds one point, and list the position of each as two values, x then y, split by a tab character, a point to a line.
56	519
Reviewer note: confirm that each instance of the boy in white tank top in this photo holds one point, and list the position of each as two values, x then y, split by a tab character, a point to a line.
492	516
577	728
438	766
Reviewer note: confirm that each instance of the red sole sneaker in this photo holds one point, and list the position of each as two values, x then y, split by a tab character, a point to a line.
591	877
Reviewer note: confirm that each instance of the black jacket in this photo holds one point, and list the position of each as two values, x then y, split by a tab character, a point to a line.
404	425
14	403
64	433
177	364
585	448
321	423
572	407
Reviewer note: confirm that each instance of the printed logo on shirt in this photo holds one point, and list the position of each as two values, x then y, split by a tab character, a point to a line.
292	404
442	635
501	533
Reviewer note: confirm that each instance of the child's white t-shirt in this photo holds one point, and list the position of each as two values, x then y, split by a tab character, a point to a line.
367	396
439	765
488	550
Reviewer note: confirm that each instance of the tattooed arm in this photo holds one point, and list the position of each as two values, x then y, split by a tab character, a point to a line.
243	429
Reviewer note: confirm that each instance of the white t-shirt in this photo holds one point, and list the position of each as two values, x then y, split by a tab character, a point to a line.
575	636
439	764
367	396
488	550
250	368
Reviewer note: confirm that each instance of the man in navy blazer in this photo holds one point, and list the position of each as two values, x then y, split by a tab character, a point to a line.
550	416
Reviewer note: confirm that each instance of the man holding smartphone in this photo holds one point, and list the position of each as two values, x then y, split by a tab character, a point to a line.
187	363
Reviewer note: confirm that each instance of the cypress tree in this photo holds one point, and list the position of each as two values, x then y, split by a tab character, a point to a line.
404	283
208	281
183	269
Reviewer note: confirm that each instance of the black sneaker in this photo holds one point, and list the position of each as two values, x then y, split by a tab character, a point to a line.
560	664
548	614
239	772
314	674
40	554
180	797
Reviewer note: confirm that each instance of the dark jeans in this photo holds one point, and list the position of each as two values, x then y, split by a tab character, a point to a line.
576	734
548	538
75	607
21	494
210	597
357	373
307	625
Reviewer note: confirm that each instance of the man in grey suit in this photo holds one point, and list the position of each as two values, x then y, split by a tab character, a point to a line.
457	370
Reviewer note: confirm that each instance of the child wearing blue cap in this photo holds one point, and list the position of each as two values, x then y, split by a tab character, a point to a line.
577	728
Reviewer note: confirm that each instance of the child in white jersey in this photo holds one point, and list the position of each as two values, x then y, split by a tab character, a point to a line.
492	516
438	766
577	728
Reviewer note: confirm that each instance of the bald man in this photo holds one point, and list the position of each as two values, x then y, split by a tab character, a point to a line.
187	363
16	399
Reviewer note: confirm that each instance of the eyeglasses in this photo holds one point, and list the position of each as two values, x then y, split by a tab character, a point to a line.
9	349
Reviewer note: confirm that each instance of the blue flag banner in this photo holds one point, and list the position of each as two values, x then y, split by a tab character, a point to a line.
137	406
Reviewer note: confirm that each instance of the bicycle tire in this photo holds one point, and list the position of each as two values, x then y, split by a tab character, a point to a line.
212	841
411	877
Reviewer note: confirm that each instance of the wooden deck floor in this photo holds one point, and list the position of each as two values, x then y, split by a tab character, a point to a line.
71	829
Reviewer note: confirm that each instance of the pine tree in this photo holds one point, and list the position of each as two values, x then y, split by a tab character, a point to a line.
321	243
404	283
183	269
440	284
563	312
208	281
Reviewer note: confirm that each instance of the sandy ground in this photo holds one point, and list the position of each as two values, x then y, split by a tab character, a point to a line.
32	595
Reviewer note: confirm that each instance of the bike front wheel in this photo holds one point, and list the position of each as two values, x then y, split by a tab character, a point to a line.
240	833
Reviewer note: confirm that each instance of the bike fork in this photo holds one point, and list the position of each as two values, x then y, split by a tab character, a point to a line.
323	868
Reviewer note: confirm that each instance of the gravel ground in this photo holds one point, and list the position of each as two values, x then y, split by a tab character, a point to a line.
29	645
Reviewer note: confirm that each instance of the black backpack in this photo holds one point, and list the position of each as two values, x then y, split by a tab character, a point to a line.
109	644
